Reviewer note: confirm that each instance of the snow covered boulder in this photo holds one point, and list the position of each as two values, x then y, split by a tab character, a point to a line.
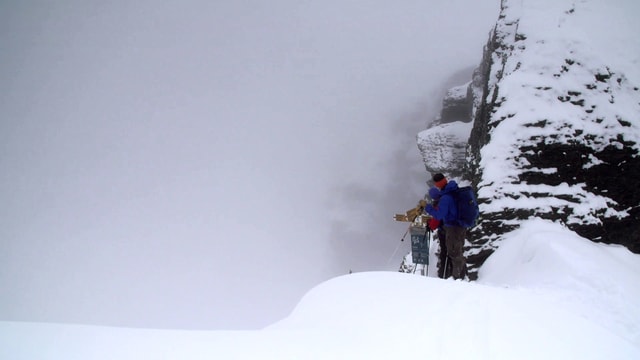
443	147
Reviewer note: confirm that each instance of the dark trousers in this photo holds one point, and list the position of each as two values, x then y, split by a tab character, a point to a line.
444	266
454	240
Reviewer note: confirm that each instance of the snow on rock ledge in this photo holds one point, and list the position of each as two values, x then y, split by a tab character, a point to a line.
443	147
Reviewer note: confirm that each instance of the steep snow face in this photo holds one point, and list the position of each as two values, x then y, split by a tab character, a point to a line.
558	132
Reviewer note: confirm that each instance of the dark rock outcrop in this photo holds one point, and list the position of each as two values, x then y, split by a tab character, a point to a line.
457	105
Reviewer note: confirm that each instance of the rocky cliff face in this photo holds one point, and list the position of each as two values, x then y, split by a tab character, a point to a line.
555	106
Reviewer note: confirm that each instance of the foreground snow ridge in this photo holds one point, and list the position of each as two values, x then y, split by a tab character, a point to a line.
546	293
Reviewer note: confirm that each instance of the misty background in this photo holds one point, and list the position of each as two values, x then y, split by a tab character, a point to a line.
203	164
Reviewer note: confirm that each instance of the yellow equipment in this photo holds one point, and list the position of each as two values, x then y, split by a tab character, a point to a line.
414	215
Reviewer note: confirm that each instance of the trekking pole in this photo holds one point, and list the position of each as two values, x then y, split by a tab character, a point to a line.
427	235
444	270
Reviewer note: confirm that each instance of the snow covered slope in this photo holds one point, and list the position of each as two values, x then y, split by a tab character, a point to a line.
546	294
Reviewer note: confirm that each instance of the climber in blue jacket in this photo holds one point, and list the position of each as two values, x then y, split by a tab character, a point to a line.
455	234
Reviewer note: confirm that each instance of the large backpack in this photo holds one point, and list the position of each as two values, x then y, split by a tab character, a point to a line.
467	205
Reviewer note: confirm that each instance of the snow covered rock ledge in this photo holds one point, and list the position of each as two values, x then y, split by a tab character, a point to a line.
443	147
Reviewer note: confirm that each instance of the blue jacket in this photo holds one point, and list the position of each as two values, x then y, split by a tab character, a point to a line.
447	211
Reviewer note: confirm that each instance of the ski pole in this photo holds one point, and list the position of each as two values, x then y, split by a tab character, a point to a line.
405	233
394	252
399	244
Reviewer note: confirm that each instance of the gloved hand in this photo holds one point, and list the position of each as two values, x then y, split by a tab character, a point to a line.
429	208
422	203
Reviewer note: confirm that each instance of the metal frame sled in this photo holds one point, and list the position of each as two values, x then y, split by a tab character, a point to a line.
420	237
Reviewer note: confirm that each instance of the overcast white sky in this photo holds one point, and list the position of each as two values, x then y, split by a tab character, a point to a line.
202	164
